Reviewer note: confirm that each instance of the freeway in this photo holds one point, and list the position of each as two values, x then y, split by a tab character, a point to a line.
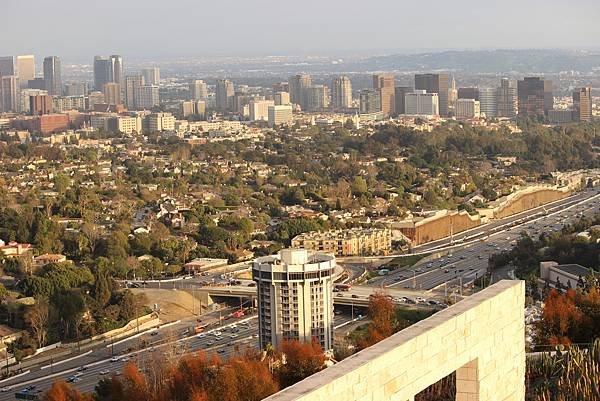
223	341
465	262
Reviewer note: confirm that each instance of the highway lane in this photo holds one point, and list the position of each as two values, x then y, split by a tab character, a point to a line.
223	341
466	263
496	224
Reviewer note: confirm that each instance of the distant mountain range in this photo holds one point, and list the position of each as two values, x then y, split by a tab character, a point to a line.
487	61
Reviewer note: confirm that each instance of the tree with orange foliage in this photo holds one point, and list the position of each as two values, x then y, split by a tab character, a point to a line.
382	312
62	391
301	361
563	320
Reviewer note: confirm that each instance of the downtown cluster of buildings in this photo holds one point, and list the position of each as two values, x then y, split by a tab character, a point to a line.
130	102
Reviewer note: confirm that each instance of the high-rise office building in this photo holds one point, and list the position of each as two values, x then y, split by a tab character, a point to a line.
467	108
298	84
488	100
198	90
37	83
422	103
108	69
369	101
25	69
468	93
9	93
341	93
281	98
582	104
193	108
507	99
76	89
535	96
259	109
280	114
112	93
117	63
53	75
152	76
7	66
132	85
386	85
147	97
224	95
26	94
435	83
40	104
295	297
399	98
317	98
103	72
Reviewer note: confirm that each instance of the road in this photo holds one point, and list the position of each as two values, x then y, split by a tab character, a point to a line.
223	341
466	262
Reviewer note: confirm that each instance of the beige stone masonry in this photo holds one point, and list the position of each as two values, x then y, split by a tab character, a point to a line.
482	338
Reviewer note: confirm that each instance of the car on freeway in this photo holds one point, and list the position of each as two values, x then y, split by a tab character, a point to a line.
104	372
5	389
154	333
221	351
125	359
233	336
210	344
354	296
82	368
114	359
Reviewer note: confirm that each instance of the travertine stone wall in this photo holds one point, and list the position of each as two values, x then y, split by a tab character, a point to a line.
481	337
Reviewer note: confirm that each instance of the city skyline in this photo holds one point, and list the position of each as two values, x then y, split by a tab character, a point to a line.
309	29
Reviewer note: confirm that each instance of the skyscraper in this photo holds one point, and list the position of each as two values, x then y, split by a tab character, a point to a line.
224	94
112	93
147	97
52	75
535	96
507	99
399	98
108	69
582	104
295	297
132	85
298	84
488	100
317	98
25	69
435	83
7	66
9	93
341	93
152	76
421	103
198	90
370	101
102	72
471	92
386	85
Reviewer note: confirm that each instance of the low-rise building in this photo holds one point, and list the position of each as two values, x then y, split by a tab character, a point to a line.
199	265
553	275
352	242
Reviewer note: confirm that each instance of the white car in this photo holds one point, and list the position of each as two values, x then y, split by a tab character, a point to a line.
114	359
104	372
6	389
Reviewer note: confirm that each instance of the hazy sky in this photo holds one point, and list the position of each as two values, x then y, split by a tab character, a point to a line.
78	29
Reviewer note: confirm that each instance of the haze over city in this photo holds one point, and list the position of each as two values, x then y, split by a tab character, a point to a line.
155	29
